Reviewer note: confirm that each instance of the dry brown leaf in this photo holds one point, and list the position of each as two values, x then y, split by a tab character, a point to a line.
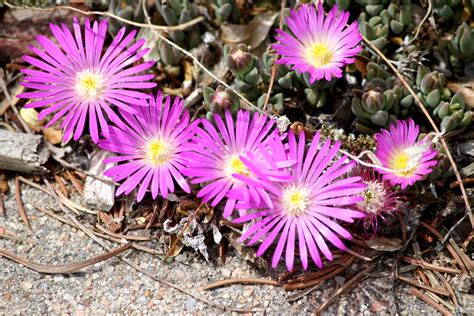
54	136
361	64
251	34
384	244
466	91
30	116
176	247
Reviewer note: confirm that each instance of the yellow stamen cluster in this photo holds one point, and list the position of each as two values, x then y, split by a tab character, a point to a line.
89	85
158	151
406	161
296	200
319	55
236	166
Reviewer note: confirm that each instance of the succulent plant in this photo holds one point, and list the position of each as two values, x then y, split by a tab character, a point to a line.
447	12
176	12
287	80
227	10
450	111
382	18
461	46
385	99
245	68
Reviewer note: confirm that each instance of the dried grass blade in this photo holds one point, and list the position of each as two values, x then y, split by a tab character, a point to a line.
67	268
19	204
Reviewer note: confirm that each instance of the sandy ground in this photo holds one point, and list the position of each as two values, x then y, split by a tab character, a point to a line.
114	287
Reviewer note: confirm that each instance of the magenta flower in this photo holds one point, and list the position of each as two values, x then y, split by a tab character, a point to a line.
215	156
398	149
379	199
77	80
150	147
307	206
318	45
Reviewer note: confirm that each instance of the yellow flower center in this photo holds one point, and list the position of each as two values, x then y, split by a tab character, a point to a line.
406	161
320	55
236	166
296	200
400	161
157	152
89	85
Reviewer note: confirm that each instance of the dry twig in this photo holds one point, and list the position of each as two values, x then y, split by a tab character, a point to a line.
63	269
19	204
274	68
250	281
430	301
347	286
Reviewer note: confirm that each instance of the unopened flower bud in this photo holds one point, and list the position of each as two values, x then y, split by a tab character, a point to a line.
239	60
372	101
431	81
220	100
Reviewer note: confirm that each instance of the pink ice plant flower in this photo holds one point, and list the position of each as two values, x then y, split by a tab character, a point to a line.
150	148
318	45
409	160
76	80
215	156
306	208
379	199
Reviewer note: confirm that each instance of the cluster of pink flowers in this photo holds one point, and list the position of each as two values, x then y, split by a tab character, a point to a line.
289	189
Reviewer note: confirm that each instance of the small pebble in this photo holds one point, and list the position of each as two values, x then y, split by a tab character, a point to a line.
26	285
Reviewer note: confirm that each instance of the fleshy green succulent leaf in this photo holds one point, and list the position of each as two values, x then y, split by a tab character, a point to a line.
379	118
433	98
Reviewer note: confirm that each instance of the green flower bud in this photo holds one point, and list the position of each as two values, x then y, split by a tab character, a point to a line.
431	81
222	99
420	73
379	118
433	98
239	60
